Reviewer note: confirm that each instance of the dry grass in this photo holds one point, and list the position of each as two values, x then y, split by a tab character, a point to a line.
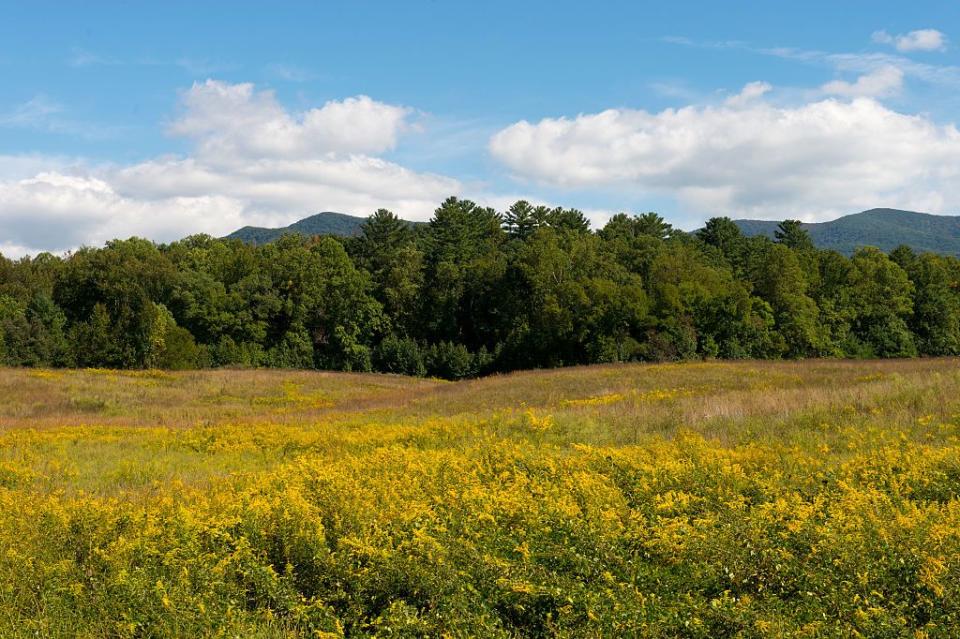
130	420
43	398
612	404
308	502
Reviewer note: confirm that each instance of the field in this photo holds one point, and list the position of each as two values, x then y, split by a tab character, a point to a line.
748	499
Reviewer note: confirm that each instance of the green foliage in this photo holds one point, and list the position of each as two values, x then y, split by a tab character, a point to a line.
464	261
936	314
723	234
579	305
780	281
387	251
12	331
474	292
881	300
93	340
401	355
172	347
520	220
453	361
792	234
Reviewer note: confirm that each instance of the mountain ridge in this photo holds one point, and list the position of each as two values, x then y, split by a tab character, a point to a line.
323	223
881	227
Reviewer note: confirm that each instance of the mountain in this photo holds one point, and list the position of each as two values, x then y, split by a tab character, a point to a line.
326	223
883	228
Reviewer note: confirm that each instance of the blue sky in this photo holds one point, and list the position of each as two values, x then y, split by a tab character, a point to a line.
163	120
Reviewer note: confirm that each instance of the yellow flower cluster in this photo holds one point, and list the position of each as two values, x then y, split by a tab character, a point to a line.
405	520
293	398
655	395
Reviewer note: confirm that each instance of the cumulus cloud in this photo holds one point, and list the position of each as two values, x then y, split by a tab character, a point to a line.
253	162
234	120
882	82
919	40
18	167
811	161
56	211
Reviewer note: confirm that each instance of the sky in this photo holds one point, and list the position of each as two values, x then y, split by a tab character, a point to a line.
162	120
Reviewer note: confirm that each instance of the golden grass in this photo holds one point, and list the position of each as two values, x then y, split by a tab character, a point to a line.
707	499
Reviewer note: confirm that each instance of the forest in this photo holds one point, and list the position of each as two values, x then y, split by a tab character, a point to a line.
474	292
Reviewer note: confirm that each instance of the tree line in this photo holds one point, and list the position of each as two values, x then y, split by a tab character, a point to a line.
475	291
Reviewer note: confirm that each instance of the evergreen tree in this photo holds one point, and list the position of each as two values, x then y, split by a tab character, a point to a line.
519	220
653	225
791	233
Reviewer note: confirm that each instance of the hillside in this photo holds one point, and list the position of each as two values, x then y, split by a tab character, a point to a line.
325	223
883	228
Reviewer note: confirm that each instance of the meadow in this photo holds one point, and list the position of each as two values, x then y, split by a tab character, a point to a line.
715	499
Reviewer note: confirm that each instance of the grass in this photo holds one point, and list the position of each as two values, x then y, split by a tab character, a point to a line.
750	499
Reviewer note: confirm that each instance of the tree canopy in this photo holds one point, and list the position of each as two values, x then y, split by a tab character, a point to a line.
474	292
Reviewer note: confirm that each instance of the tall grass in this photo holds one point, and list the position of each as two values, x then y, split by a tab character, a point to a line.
702	500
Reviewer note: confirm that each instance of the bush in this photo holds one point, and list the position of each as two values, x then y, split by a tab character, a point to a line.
399	355
179	350
450	361
228	353
293	351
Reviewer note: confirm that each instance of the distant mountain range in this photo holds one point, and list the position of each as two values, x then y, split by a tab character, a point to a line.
883	228
326	223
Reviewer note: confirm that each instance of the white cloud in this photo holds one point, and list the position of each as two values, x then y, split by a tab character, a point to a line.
859	62
56	212
14	251
750	92
812	161
235	121
18	167
881	82
919	40
253	162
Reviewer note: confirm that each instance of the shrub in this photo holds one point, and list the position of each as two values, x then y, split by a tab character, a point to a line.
400	355
450	361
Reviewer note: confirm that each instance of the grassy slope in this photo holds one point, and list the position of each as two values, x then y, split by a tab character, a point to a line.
759	498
